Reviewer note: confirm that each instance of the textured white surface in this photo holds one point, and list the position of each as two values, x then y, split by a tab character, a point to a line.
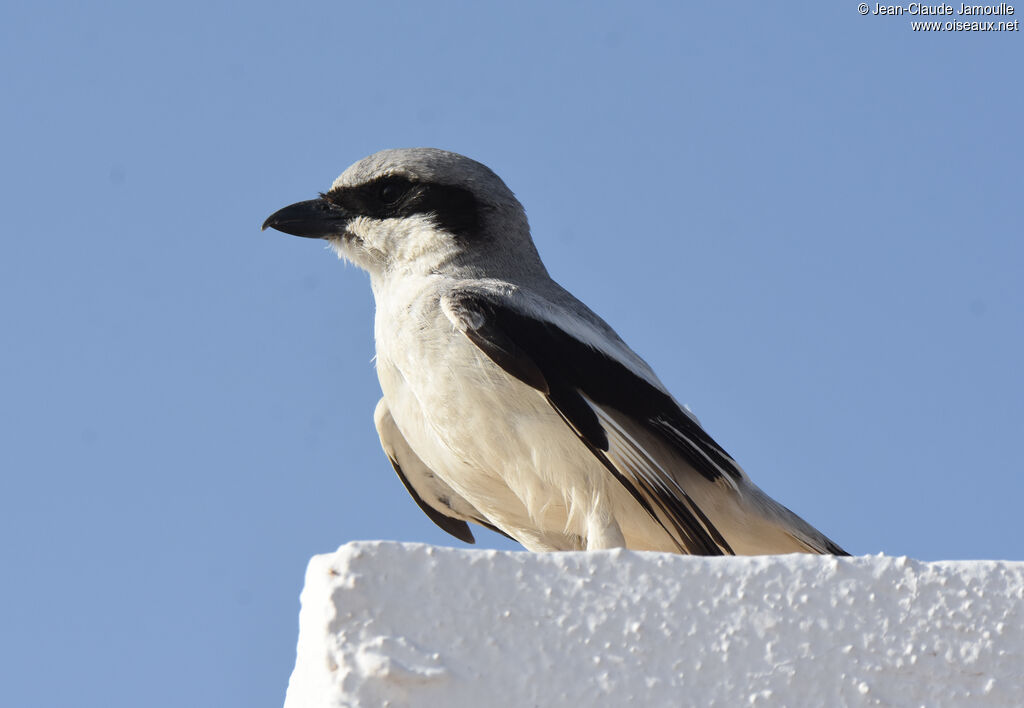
403	624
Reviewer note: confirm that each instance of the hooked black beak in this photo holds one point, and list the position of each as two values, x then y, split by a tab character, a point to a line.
316	218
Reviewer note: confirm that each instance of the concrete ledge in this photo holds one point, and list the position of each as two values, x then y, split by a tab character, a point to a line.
388	624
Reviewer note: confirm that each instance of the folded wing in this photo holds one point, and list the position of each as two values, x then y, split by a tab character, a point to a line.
624	419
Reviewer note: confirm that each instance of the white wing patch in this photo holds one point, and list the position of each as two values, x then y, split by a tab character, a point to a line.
627	453
726	475
630	457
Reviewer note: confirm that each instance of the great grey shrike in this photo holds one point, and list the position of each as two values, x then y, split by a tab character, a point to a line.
507	402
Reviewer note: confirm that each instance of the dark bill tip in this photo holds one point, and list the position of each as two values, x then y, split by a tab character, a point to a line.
315	218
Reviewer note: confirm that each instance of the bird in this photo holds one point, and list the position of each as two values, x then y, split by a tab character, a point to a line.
506	401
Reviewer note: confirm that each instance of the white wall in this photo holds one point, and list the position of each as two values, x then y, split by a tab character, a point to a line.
407	624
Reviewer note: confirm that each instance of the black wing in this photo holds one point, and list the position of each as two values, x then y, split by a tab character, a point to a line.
610	408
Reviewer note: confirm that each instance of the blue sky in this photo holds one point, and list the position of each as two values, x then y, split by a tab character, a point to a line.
808	221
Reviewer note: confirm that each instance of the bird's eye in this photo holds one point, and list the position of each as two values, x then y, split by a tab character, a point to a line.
391	192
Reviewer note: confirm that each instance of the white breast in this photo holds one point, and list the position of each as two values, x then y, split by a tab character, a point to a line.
493	439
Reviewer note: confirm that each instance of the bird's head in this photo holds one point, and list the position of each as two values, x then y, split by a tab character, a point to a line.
419	210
